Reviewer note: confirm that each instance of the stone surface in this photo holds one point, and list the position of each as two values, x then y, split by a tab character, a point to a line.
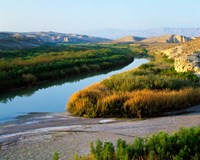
186	56
187	63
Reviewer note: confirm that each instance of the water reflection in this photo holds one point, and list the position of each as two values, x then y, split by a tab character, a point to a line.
26	92
51	96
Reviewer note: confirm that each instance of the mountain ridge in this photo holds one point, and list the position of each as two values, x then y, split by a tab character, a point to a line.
112	33
170	38
20	40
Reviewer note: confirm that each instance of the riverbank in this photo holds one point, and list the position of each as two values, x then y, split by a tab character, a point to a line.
39	137
25	68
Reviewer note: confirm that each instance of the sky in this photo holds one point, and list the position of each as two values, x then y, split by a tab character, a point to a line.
85	15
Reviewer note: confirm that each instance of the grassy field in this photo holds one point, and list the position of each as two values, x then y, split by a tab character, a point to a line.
148	91
19	68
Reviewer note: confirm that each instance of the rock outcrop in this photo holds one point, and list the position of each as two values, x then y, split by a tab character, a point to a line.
167	39
186	56
188	63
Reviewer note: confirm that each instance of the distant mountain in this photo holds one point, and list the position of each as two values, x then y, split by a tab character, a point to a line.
34	39
167	39
171	38
129	39
118	33
7	41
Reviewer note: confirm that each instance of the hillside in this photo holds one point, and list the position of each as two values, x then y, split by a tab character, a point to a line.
129	39
186	55
34	39
179	49
167	39
8	41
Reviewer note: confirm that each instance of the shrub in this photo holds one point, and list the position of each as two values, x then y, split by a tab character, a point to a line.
139	103
146	66
124	150
184	144
29	79
112	105
146	79
102	151
84	102
148	103
55	155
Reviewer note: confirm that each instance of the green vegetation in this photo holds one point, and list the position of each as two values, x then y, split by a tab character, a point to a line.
55	155
99	101
19	68
184	144
148	91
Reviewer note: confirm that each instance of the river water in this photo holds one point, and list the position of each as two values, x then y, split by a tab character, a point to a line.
51	97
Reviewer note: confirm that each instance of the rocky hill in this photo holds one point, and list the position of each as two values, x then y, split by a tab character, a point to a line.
129	39
167	39
186	56
181	49
9	40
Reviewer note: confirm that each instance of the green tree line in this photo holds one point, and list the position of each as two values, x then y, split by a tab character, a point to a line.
19	68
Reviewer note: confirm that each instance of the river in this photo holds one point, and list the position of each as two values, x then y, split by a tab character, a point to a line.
49	98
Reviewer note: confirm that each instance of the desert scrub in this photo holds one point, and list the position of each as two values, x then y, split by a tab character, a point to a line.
155	75
99	101
129	82
150	76
184	144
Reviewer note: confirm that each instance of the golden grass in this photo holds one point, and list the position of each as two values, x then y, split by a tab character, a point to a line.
84	102
98	101
148	103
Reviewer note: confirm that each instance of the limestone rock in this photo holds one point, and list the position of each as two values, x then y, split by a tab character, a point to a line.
187	63
167	39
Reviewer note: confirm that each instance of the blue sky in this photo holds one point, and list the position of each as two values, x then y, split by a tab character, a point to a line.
81	15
